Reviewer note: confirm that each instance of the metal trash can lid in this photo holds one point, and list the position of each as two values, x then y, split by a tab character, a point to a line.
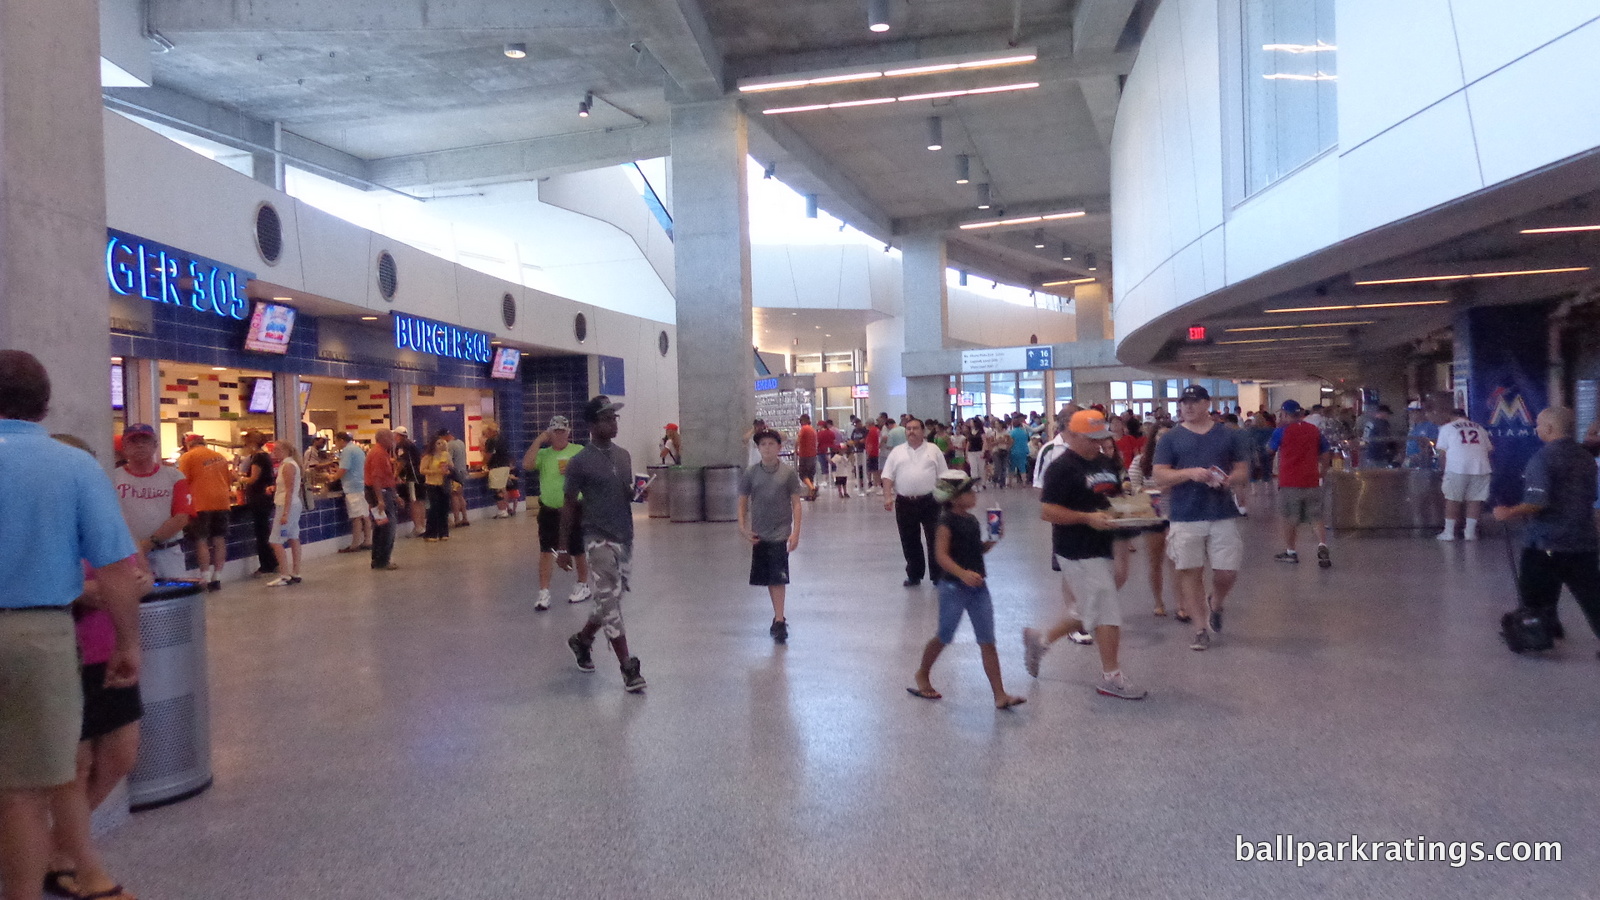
171	590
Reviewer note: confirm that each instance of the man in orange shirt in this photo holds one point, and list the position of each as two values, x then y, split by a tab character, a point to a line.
805	454
210	478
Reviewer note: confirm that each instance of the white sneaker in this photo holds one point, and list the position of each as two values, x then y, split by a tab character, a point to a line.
280	581
580	593
1080	637
1447	535
544	599
1470	535
501	515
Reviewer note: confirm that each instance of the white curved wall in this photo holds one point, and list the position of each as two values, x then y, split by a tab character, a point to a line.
1437	99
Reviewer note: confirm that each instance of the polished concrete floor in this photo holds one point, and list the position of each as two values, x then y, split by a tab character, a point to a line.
424	734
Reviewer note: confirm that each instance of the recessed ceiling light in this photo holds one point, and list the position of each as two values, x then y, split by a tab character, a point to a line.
1344	306
219	368
516	51
352	381
1462	276
369	318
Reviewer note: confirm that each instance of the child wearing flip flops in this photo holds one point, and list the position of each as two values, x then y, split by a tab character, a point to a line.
958	550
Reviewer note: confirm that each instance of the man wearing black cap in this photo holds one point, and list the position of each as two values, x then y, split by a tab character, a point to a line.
600	483
1197	463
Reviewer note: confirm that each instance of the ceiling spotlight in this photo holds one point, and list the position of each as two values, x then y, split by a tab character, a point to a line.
1038	239
1091	262
770	171
935	133
878	16
517	50
983	196
1066	253
586	104
811	206
963	168
963	274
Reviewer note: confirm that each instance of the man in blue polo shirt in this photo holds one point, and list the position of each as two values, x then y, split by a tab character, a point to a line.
48	526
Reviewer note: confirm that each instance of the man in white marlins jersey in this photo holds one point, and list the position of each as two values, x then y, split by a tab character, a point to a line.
1464	447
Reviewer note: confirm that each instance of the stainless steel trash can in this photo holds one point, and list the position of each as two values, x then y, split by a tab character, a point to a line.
659	499
688	497
175	734
722	493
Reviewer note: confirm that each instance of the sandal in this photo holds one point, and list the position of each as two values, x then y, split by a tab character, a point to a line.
1180	617
1161	611
926	695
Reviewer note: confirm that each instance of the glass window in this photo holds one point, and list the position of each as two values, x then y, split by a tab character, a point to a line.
1003	393
1290	86
1144	390
976	389
808	363
1119	390
1030	393
1063	386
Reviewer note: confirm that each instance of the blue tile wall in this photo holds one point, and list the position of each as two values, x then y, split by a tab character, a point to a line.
185	336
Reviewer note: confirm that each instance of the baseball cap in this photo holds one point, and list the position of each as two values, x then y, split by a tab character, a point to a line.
560	423
671	426
951	484
1292	407
1089	423
598	405
1195	392
401	429
138	428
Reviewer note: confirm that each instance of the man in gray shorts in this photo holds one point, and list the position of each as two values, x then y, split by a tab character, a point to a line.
1303	457
600	483
48	528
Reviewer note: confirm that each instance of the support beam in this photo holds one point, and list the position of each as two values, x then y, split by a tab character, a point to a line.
678	37
807	171
524	160
235	129
178	17
1098	24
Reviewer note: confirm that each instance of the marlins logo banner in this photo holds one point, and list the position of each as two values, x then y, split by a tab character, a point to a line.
1508	352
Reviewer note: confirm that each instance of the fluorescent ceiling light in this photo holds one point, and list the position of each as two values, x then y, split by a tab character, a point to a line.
929	67
1462	276
1284	327
1286	76
1277	340
1023	220
1561	229
1085	280
907	99
1299	309
369	318
1319	47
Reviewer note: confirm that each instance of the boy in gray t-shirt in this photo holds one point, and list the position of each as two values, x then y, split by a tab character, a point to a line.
770	495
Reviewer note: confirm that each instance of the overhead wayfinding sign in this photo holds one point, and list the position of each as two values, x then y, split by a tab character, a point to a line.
1007	359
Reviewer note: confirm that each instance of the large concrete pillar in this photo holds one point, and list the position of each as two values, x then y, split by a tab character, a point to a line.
1091	305
927	318
53	295
711	243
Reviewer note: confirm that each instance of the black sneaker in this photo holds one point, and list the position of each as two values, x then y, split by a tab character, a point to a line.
580	649
213	585
1288	556
911	582
1216	617
632	681
779	630
1322	556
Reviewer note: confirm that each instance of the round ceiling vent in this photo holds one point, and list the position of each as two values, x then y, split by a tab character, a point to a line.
388	276
580	328
508	310
269	233
663	343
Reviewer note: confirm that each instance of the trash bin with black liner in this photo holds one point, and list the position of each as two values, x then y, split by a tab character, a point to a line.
175	734
722	493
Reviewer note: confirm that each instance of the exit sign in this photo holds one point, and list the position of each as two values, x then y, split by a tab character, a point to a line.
1197	334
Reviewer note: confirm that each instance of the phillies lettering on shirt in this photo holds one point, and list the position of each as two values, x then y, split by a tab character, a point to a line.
148	501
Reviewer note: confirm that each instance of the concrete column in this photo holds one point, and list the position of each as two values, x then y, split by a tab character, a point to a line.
54	301
1088	393
711	245
1092	306
927	318
141	393
886	387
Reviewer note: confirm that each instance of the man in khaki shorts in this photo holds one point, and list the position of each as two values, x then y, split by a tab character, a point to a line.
1464	446
48	526
1197	463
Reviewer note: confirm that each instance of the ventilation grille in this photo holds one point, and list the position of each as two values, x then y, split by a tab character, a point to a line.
580	328
508	310
388	276
664	343
269	233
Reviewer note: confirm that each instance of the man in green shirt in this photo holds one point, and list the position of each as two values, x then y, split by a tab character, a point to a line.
548	456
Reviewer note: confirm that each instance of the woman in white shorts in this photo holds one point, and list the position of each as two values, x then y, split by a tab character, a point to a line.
288	504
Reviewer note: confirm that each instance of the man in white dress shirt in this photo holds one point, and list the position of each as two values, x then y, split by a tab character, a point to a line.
908	477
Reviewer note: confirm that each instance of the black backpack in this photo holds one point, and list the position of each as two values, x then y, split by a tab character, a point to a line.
1525	631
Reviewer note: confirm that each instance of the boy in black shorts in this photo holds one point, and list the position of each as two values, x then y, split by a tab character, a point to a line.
770	495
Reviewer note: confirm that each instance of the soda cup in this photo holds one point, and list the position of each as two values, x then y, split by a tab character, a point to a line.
993	524
641	486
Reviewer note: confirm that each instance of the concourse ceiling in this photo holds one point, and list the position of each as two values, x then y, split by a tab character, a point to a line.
419	96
